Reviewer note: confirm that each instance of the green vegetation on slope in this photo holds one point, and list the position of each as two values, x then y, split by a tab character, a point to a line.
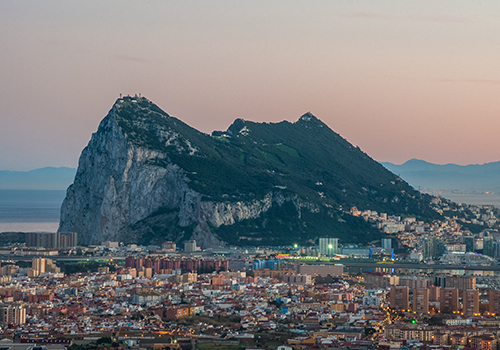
304	159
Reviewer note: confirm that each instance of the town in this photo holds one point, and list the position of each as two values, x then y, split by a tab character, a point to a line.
410	290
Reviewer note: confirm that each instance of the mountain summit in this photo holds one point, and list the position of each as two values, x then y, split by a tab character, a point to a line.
146	177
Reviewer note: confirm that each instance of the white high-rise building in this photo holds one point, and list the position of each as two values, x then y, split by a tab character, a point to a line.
190	246
371	301
386	243
328	246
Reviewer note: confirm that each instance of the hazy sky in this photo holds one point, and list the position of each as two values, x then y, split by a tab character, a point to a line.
400	79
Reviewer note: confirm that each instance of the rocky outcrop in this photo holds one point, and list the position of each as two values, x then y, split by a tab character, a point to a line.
118	185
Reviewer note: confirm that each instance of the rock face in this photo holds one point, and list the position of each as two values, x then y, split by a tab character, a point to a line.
118	184
146	177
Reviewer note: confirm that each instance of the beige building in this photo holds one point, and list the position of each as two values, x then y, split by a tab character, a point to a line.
38	265
470	300
321	270
380	280
461	282
189	277
168	247
42	265
448	300
297	279
420	300
15	314
484	342
494	302
414	282
190	246
400	298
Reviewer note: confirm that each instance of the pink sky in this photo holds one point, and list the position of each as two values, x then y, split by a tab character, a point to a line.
399	79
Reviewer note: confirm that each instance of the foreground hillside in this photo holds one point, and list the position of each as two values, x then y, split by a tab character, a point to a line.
148	177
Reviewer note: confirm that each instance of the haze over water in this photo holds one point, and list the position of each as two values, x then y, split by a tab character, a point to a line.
30	210
475	199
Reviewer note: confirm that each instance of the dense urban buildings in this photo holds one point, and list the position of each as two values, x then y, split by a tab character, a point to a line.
51	240
311	295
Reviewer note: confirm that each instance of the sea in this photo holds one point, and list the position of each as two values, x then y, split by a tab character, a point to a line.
475	199
39	210
30	210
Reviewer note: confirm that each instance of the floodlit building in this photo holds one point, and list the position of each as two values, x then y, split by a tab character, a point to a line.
328	246
386	243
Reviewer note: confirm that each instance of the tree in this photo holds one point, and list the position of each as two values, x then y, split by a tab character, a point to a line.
104	340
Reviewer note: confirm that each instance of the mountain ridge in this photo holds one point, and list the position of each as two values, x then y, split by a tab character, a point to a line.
471	177
47	178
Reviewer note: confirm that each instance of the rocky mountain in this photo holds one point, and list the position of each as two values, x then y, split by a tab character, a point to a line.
147	177
451	177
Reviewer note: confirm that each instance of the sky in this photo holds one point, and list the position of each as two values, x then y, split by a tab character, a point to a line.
399	79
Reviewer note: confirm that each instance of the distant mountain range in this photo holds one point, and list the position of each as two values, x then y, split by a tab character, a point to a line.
39	179
473	178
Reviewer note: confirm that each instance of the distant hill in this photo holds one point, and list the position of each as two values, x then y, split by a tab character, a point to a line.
39	179
453	177
147	177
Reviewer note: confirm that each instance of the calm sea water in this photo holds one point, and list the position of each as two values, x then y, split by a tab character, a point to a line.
30	210
475	199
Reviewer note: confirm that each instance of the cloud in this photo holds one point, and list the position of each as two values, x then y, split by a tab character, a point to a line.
437	18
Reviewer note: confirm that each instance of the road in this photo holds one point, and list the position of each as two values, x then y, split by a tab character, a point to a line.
421	266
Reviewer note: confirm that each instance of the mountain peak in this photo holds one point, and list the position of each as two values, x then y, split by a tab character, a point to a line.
414	161
308	117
